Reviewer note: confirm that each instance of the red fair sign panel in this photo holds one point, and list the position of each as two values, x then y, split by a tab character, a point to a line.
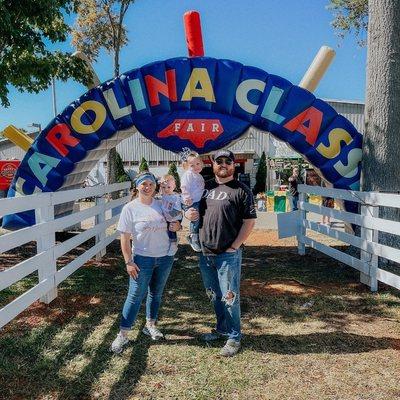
7	172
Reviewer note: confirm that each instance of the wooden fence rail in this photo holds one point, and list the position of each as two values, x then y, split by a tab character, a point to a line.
48	251
368	242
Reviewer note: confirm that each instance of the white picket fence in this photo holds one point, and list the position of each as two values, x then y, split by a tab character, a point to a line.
370	224
48	251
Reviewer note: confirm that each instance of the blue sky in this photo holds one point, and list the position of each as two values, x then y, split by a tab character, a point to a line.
279	36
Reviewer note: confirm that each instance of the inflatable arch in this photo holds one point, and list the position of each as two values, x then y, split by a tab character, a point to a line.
202	103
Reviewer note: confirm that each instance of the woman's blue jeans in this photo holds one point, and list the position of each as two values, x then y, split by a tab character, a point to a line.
221	278
151	280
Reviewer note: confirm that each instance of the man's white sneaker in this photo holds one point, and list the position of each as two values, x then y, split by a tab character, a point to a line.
230	349
119	342
153	332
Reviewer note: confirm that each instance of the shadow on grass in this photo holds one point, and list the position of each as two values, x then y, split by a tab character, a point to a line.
33	358
135	368
313	343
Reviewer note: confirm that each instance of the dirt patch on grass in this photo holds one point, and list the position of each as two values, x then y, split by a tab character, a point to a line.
60	310
254	288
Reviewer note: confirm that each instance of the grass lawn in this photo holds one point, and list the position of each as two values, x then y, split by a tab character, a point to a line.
311	332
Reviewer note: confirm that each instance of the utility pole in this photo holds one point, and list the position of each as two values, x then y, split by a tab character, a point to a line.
53	89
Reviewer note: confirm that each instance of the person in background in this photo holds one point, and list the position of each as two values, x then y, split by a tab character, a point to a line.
148	261
294	181
261	206
227	216
192	187
327	202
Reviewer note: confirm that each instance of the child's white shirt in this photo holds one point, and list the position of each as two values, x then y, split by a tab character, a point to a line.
192	185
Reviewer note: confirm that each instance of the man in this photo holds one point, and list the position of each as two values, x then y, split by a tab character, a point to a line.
294	180
227	216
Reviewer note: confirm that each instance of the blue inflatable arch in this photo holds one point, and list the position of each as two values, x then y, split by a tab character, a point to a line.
201	103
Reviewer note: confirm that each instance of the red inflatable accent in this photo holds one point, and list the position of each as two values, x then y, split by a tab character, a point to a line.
194	38
7	172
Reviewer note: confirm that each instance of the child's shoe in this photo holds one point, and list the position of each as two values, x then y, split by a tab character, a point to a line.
194	242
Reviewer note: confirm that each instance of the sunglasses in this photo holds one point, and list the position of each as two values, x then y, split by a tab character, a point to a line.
226	161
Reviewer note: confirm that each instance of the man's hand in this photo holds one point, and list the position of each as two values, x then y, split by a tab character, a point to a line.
230	250
132	269
175	226
192	214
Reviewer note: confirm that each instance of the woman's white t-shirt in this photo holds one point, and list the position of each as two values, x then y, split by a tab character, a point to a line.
148	227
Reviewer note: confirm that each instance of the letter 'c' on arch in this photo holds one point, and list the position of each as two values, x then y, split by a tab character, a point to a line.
100	116
243	90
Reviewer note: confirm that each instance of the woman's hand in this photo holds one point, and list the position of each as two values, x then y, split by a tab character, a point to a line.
175	226
192	214
188	201
132	269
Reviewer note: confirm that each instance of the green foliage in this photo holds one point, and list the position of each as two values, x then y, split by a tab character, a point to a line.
122	176
26	27
143	165
350	15
99	24
174	172
261	175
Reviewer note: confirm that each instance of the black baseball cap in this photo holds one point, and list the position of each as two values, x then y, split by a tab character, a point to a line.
224	153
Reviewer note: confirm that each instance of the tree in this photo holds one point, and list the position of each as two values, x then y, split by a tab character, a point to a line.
143	165
381	143
174	172
261	175
122	176
350	16
100	24
25	60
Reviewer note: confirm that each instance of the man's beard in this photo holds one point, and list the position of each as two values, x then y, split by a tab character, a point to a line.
223	172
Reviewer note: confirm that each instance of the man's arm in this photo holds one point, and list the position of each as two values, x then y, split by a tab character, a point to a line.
244	233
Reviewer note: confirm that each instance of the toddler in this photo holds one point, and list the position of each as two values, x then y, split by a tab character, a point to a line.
192	186
170	203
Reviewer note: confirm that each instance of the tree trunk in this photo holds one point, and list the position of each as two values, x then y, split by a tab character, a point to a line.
381	149
112	154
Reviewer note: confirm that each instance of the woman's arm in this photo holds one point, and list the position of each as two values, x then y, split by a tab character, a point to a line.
131	267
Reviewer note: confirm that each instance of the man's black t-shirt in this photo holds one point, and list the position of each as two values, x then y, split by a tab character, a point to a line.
223	208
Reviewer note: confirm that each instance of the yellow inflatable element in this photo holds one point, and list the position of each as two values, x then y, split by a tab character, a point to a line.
317	68
19	138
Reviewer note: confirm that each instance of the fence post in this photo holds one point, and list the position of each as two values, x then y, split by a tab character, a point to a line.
371	260
301	247
47	270
99	218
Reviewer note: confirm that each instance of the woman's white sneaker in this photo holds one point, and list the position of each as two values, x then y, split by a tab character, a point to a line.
153	332
119	342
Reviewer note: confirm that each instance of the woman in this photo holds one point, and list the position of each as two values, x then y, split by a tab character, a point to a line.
149	260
